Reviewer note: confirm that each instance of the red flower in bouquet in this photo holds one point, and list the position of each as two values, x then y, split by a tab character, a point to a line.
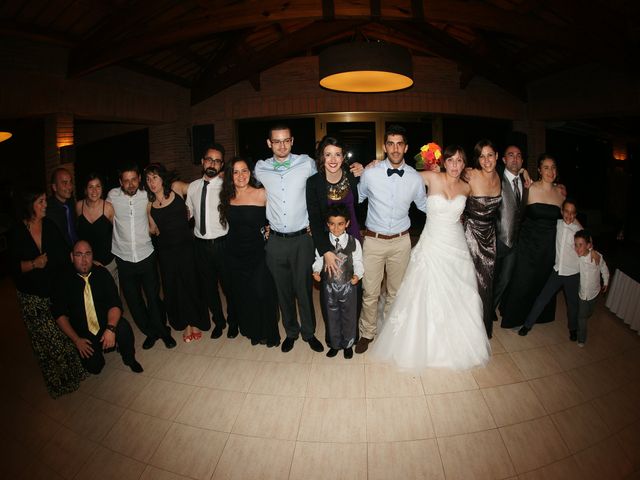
429	157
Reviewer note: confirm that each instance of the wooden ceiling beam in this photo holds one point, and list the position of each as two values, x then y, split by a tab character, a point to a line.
154	72
29	32
252	13
271	56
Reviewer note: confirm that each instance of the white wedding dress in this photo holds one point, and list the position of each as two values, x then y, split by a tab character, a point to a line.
436	318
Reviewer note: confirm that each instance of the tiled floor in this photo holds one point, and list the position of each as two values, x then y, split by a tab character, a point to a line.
221	409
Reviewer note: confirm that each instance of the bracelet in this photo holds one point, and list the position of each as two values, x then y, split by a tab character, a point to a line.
111	328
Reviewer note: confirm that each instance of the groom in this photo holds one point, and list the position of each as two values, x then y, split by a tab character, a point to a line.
390	186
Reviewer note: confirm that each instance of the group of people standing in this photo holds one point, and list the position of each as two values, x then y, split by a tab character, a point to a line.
488	242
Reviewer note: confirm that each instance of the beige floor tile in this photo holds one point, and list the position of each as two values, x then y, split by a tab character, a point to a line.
153	473
229	374
269	416
26	425
184	368
95	419
397	419
565	469
537	362
580	426
336	381
477	455
605	460
533	444
387	381
629	438
617	408
254	458
189	451
593	380
212	409
137	435
108	465
240	348
557	392
568	355
336	461
162	399
496	345
512	342
513	403
333	420
66	452
321	357
443	380
459	412
120	387
204	346
301	353
153	360
288	379
416	460
61	408
36	470
500	370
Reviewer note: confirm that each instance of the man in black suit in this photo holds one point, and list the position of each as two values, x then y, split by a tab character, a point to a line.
61	208
87	308
514	200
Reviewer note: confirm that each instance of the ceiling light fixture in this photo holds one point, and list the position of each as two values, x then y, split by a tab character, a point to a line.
5	136
366	67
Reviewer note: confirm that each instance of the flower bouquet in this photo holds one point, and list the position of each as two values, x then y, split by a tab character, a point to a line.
429	157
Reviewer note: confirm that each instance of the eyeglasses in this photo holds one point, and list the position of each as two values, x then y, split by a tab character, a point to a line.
286	141
213	160
83	254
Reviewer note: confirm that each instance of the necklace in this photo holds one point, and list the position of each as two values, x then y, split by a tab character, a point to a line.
337	191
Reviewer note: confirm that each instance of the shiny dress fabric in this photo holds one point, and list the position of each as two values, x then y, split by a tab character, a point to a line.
480	216
253	289
436	318
183	298
535	256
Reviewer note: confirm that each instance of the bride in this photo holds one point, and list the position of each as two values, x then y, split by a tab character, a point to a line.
436	318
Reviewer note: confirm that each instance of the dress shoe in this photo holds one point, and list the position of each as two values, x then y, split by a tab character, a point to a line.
363	344
348	353
217	331
287	345
168	341
149	342
315	344
254	342
332	352
134	366
273	344
573	335
232	332
523	331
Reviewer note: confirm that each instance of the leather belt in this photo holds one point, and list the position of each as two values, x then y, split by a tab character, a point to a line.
369	233
289	235
210	240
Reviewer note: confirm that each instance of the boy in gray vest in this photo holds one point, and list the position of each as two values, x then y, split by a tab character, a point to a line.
338	293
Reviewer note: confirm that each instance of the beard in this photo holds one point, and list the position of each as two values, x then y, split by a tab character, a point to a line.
211	172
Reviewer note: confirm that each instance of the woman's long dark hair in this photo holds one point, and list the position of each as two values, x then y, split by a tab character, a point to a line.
24	198
228	191
477	151
165	175
326	141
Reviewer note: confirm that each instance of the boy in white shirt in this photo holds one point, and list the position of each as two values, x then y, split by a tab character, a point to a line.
590	286
339	292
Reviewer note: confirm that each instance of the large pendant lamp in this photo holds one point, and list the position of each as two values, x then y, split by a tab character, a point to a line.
5	136
366	67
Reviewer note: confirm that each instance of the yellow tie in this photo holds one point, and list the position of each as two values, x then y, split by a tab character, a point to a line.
89	307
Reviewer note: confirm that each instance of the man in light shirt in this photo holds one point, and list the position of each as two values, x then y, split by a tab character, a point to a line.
565	274
390	186
203	198
136	258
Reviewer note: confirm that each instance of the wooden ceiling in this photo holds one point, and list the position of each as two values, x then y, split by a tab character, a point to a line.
208	45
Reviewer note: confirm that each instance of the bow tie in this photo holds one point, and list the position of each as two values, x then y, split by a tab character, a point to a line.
282	165
391	171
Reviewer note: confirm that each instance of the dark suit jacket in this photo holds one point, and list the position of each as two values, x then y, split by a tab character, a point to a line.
317	208
56	213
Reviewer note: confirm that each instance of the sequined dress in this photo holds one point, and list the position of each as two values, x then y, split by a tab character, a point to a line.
480	216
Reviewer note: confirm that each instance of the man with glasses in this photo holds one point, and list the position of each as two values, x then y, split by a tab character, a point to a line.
87	308
390	186
290	252
203	198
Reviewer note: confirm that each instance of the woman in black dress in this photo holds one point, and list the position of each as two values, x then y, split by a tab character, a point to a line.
243	208
536	249
168	219
480	216
95	224
38	254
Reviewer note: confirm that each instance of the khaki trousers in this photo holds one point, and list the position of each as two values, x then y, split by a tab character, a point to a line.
380	256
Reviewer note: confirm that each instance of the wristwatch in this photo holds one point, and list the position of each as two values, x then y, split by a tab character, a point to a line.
111	328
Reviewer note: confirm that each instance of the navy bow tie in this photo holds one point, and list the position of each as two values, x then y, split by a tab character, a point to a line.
391	171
